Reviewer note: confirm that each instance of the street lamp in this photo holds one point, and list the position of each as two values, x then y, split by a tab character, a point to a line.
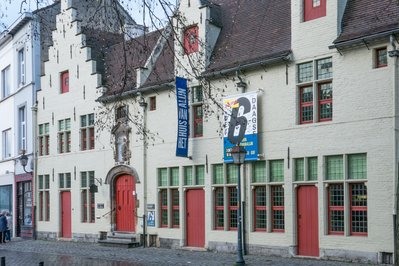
24	161
238	153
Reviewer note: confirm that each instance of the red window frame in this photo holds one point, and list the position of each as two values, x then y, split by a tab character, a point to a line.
84	139
310	12
84	205
175	207
219	208
41	144
163	194
304	104
61	142
153	103
65	82
92	207
378	64
259	208
277	208
357	208
324	101
91	136
232	208
198	121
41	206
47	194
190	41
332	208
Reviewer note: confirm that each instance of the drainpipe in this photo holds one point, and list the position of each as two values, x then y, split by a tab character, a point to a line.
143	104
395	55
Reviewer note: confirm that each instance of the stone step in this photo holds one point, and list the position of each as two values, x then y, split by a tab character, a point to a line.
118	243
129	237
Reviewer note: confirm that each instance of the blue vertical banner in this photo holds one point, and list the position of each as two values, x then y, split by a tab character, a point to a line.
241	125
183	125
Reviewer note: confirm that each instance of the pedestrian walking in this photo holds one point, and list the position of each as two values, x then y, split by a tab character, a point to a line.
9	226
3	226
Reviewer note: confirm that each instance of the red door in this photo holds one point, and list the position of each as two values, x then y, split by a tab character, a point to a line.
125	203
66	214
308	223
195	221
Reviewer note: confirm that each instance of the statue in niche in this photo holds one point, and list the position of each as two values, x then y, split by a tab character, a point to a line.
121	133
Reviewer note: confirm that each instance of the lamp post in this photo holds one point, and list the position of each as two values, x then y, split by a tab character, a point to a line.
238	153
24	161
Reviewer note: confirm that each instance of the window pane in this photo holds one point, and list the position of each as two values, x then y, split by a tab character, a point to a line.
312	168
68	180
359	195
337	220
277	171
307	94
357	164
62	183
188	175
200	174
325	91
299	170
197	94
61	125
305	72
41	128
40	182
336	194
218	174
219	197
259	172
46	128
232	173
359	221
83	177
91	119
174	173
91	178
163	177
382	57
335	168
278	222
260	196
67	124
47	184
324	68
83	121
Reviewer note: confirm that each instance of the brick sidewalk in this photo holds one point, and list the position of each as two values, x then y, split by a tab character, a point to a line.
29	252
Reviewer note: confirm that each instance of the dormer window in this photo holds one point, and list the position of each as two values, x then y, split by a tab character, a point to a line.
313	9
190	41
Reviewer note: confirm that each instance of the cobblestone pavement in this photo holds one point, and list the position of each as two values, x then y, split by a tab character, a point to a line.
29	252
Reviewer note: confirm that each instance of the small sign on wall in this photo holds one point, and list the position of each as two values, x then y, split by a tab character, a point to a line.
151	218
100	205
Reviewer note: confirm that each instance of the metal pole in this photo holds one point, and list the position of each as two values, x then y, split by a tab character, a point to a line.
240	258
3	261
144	231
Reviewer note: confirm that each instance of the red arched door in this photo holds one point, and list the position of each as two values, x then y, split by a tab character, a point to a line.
125	203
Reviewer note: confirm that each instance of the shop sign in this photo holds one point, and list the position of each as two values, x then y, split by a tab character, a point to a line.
183	126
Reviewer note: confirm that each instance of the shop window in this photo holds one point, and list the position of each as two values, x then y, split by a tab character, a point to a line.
313	9
88	214
44	139
190	41
87	132
64	135
381	58
65	82
320	85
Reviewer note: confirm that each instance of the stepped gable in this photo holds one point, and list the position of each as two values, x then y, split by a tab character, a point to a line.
241	43
122	60
363	18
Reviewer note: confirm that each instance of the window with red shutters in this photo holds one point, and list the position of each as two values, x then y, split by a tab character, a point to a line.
313	9
164	207
358	209
219	208
336	209
65	82
260	215
306	105
190	42
233	207
278	224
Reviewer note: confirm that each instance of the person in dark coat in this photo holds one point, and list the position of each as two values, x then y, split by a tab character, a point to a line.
3	227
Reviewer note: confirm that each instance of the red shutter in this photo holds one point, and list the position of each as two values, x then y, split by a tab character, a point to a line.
191	40
311	12
65	82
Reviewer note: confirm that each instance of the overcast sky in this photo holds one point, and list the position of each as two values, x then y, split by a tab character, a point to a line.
10	10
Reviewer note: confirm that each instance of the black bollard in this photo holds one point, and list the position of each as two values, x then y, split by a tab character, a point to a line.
3	261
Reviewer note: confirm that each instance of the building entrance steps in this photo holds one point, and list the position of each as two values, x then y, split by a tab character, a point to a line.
120	240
